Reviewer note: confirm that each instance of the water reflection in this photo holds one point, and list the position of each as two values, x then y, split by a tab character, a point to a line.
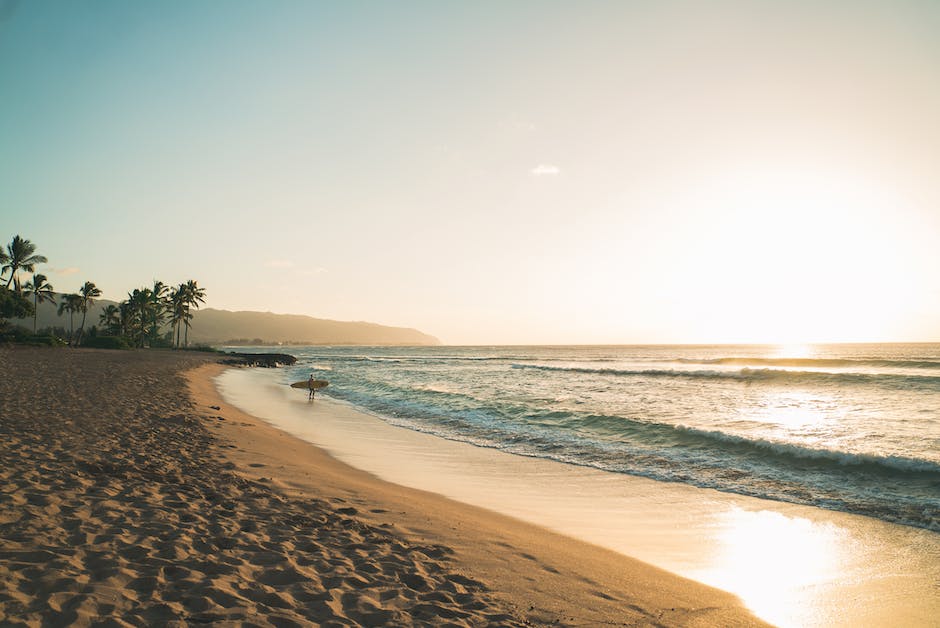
778	565
792	409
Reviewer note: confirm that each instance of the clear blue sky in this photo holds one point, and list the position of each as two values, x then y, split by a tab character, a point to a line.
490	172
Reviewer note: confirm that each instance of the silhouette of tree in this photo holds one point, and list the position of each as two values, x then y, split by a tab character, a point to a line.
193	297
70	303
13	305
177	310
110	319
20	255
88	293
140	303
159	308
42	291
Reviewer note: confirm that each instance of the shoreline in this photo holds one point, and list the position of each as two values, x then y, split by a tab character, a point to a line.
545	576
789	564
127	498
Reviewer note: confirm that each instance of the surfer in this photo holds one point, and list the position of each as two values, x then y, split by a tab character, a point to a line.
311	385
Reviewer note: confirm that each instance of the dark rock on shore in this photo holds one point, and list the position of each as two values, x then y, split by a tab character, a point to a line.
267	360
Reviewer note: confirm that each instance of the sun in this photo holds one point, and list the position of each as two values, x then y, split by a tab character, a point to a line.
793	350
795	257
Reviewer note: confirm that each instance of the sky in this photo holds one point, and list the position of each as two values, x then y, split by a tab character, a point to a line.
490	172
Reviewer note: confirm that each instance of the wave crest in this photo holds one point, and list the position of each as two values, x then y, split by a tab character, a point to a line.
816	362
756	375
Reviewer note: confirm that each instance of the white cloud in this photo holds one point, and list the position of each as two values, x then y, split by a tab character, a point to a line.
309	272
71	270
545	169
279	263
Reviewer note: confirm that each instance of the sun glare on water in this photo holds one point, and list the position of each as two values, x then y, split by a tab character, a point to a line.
798	351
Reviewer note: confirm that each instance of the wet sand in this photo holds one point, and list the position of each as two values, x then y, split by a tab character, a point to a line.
129	499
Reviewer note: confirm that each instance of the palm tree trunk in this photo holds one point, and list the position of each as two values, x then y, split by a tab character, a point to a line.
81	330
71	326
35	310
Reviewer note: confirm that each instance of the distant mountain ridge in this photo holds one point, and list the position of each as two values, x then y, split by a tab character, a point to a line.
215	326
212	326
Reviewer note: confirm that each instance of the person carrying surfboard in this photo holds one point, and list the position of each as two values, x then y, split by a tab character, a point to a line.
310	385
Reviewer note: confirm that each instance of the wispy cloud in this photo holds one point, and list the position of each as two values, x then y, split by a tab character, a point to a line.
71	270
309	272
279	263
542	170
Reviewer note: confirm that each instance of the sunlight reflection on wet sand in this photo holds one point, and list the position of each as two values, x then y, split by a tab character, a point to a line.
803	555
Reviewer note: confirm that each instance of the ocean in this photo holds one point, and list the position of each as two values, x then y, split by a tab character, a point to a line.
854	428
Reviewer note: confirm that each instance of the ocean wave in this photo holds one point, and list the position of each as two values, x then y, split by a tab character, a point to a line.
724	443
756	375
458	410
627	411
816	362
906	488
884	464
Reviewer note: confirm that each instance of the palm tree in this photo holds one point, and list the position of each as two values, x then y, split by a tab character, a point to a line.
70	303
4	258
159	306
178	309
111	319
20	255
160	291
126	315
42	292
88	293
139	304
187	323
194	296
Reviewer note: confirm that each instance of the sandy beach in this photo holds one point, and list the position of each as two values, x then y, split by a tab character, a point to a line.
129	499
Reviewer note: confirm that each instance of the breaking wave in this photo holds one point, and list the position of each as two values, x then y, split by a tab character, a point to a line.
757	375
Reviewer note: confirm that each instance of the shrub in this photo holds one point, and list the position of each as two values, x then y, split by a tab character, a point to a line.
106	342
14	305
160	342
13	333
205	348
42	341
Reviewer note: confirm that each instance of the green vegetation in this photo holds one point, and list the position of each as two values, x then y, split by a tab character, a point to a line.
106	342
14	304
22	336
205	349
111	320
154	316
146	312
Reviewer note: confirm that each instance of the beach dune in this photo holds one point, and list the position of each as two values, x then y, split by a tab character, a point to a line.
132	495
